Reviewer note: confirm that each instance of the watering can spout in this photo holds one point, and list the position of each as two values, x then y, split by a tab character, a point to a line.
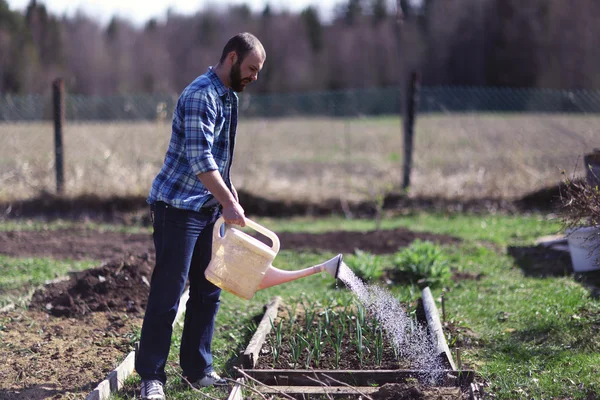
275	276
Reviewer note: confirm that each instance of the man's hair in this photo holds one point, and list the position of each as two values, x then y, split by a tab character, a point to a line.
242	44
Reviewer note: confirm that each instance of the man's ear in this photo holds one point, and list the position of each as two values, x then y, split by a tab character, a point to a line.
232	57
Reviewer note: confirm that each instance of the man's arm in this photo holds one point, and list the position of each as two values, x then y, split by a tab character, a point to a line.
233	213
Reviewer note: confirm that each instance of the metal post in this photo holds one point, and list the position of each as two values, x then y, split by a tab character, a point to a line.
412	99
58	95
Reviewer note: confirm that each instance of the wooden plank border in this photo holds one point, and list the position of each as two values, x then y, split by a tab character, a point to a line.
114	381
435	328
250	355
345	391
236	392
296	380
299	377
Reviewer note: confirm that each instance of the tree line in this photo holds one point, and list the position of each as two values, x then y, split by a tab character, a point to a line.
368	43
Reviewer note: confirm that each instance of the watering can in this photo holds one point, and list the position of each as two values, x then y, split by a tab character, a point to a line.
242	264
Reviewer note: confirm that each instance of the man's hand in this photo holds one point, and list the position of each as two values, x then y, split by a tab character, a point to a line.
234	214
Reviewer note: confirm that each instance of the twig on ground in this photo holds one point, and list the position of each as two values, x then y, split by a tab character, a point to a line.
322	384
350	386
193	388
248	387
262	384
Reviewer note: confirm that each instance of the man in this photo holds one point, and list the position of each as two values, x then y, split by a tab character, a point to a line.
190	192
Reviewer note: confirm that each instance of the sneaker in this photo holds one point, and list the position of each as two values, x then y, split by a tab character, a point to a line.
152	390
210	379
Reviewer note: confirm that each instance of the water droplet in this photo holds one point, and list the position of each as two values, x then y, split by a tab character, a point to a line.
411	341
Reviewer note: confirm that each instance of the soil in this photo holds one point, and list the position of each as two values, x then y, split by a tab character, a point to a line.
348	356
77	330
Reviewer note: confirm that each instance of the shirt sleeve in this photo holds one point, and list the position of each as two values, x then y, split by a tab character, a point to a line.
200	117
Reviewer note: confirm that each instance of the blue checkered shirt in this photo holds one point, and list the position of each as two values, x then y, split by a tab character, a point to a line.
202	140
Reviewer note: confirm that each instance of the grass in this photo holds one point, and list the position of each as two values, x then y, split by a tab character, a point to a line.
19	277
38	225
455	155
528	336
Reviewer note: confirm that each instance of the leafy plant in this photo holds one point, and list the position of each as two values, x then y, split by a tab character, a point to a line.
424	263
365	265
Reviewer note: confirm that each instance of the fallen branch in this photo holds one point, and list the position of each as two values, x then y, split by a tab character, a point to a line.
193	388
287	396
349	386
248	387
322	384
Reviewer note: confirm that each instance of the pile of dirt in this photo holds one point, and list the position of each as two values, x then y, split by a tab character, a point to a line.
118	286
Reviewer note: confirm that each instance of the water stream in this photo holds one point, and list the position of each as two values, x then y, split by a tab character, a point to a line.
410	339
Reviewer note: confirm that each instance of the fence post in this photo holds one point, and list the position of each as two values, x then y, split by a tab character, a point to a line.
58	96
412	100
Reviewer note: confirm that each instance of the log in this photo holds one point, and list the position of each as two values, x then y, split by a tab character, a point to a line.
435	328
250	355
298	377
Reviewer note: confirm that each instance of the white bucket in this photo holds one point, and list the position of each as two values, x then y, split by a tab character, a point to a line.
581	246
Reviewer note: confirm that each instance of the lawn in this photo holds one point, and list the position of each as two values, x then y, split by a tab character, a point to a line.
527	336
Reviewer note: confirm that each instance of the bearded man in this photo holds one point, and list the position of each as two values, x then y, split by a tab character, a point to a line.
191	191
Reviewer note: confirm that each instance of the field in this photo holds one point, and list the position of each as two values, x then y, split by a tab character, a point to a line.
455	156
523	321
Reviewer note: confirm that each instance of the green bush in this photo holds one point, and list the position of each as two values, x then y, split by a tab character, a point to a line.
423	263
366	266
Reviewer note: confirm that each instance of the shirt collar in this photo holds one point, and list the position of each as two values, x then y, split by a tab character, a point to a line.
221	89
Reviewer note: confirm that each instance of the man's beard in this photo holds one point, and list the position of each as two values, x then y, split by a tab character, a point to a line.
235	77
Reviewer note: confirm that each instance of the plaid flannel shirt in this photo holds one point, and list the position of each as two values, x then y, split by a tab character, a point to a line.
202	140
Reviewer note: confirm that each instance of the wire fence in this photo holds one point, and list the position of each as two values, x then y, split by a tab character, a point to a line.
347	103
345	145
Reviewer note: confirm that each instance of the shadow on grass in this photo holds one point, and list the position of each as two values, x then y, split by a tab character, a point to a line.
534	350
543	262
235	360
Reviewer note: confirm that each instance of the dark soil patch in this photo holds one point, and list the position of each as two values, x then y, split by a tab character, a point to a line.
376	242
89	244
60	358
74	244
119	286
134	210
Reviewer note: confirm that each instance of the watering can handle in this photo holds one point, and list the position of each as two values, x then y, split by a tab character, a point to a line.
259	228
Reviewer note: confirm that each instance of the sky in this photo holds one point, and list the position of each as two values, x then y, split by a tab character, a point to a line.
140	11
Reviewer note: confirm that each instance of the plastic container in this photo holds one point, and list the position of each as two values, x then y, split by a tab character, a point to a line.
581	244
239	261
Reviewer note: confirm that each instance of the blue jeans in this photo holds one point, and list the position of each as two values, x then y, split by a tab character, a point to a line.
183	243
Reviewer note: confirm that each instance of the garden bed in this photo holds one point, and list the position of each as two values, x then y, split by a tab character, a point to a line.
324	351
